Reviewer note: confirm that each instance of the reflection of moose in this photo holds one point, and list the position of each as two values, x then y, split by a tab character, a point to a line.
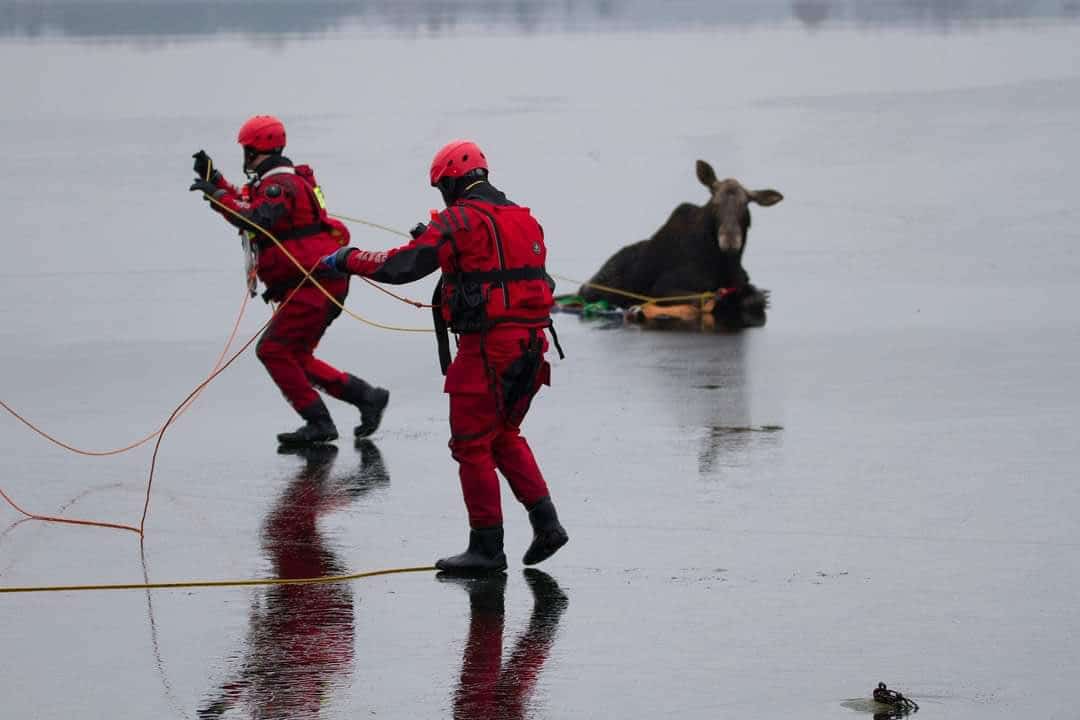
698	250
300	639
490	690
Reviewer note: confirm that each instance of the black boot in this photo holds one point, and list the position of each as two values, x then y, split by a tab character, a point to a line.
485	554
318	429
548	534
370	400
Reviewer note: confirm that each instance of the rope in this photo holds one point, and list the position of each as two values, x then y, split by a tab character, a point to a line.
327	579
307	274
386	228
196	391
700	297
402	298
187	403
70	521
647	299
605	288
137	443
369	281
160	434
219	367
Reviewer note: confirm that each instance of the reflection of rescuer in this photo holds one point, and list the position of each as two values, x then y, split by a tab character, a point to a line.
286	201
300	645
496	296
489	688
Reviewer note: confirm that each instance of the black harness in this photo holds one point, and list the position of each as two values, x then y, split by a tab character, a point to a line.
468	301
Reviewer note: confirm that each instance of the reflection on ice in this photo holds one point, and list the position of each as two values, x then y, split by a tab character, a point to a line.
300	641
490	689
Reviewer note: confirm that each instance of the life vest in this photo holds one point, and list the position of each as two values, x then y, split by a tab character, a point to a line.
308	232
492	258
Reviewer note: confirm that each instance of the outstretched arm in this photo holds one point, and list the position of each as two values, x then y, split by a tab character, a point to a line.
404	264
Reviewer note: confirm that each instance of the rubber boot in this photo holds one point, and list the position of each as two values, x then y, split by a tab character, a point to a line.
548	534
484	555
318	429
370	400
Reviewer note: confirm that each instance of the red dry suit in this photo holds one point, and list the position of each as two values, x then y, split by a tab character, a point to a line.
286	201
496	296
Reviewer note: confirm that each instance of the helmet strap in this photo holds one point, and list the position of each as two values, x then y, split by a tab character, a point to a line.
250	154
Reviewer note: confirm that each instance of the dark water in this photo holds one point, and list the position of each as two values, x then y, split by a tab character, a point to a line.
877	486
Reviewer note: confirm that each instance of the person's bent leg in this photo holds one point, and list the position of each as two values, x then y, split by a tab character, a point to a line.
369	400
515	460
282	349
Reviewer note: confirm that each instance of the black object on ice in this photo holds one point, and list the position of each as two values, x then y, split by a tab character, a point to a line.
901	704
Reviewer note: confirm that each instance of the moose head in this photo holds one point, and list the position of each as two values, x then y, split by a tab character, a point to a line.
729	207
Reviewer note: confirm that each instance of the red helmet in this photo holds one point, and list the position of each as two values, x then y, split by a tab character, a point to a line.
263	133
457	158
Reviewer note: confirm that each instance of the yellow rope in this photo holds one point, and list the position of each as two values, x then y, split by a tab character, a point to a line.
646	299
388	229
307	275
216	583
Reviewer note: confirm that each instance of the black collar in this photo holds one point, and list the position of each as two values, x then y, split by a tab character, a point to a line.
274	161
484	191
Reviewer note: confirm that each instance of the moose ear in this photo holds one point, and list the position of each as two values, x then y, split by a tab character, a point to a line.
706	174
765	198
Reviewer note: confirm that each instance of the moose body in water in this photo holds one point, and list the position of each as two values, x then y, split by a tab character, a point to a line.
698	250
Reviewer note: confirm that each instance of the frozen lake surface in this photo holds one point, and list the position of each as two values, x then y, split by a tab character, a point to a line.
880	485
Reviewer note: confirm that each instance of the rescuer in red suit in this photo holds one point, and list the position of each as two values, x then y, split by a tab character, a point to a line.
496	297
285	200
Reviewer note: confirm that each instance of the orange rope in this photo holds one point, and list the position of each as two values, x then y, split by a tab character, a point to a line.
69	521
195	392
402	298
138	443
187	403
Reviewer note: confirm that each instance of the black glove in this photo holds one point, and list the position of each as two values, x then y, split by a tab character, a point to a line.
419	230
204	166
204	186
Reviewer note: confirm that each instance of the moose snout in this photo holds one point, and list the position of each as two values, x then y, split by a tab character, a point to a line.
729	241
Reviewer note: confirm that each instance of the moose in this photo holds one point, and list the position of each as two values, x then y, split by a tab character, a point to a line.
698	250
